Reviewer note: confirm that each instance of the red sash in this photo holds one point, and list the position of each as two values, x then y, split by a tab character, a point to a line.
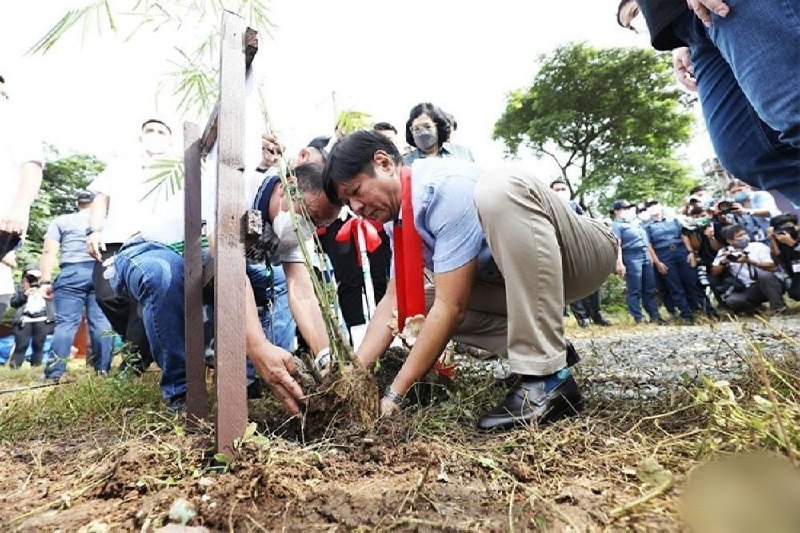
408	262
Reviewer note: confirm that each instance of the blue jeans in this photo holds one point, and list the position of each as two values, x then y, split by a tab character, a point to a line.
271	294
152	274
748	79
73	292
640	283
277	320
680	279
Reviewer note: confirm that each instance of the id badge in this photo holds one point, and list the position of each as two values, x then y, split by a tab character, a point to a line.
796	267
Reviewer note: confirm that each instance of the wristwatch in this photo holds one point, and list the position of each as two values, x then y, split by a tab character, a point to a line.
399	399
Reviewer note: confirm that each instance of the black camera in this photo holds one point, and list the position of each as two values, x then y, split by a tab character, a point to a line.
736	255
725	207
791	231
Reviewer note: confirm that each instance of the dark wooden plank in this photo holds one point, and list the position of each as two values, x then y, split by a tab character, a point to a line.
196	393
229	262
210	132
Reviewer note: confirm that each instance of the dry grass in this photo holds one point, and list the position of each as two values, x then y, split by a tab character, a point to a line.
623	464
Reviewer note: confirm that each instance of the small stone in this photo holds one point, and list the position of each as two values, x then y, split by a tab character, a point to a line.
182	511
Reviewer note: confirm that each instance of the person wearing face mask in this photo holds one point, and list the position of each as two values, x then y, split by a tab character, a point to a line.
123	206
589	307
428	130
677	263
635	263
752	271
785	245
21	164
279	247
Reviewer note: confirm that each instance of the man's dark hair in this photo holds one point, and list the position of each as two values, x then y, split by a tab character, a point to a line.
782	219
557	181
696	210
438	116
697	189
2	79
384	126
156	121
309	177
622	4
353	155
729	231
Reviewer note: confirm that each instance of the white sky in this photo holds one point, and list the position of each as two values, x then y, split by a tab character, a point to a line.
381	57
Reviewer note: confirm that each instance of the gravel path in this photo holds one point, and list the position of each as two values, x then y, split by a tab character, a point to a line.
642	361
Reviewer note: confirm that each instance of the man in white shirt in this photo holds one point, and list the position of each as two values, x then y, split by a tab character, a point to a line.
21	163
752	269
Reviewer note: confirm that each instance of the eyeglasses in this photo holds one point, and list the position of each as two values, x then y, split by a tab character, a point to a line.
419	128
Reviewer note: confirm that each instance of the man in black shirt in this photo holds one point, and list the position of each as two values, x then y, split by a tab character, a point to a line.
744	65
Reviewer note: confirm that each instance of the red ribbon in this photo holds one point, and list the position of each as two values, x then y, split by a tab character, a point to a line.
408	262
370	228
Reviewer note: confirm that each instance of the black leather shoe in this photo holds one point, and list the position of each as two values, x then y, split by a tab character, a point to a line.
583	322
528	403
572	356
600	320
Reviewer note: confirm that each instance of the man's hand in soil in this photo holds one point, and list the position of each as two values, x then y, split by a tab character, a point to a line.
276	367
388	407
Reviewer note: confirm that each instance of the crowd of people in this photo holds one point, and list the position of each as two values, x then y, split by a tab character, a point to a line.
732	253
491	257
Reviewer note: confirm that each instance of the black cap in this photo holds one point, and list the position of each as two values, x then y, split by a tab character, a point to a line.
321	144
84	196
620	204
651	201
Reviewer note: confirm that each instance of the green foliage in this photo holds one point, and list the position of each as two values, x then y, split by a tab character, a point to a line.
612	295
194	76
351	120
62	179
611	119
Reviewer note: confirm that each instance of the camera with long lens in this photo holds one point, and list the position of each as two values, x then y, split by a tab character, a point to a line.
702	276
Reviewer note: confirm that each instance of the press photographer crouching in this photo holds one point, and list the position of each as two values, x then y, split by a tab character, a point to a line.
785	244
751	271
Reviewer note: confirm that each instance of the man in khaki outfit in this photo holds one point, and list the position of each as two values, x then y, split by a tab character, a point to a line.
505	253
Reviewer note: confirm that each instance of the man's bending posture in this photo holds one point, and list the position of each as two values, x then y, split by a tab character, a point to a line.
506	254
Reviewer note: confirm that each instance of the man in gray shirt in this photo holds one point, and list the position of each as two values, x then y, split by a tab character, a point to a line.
74	290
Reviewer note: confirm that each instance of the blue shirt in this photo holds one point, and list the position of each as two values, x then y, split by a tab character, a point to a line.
664	233
632	238
70	232
446	218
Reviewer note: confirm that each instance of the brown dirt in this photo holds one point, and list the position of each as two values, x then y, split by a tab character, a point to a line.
394	477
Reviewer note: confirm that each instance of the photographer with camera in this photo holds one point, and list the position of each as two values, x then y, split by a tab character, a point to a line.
752	272
700	232
34	318
785	244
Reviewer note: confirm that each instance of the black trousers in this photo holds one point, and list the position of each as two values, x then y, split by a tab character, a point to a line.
122	311
588	307
348	273
29	333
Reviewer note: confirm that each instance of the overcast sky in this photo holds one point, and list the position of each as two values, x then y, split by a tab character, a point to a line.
381	57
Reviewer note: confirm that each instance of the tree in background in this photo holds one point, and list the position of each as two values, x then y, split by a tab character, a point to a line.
62	179
610	119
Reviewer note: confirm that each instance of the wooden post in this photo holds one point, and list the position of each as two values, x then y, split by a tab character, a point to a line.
196	393
229	261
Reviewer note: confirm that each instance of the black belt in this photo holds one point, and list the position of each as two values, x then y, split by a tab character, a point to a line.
668	247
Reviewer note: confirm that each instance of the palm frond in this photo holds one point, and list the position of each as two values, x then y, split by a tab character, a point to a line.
166	178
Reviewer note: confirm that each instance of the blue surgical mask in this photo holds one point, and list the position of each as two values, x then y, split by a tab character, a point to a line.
742	196
742	243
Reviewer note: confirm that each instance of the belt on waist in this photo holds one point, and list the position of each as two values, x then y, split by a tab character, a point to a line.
669	247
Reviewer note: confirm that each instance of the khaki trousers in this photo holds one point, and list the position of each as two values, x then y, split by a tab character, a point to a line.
548	255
